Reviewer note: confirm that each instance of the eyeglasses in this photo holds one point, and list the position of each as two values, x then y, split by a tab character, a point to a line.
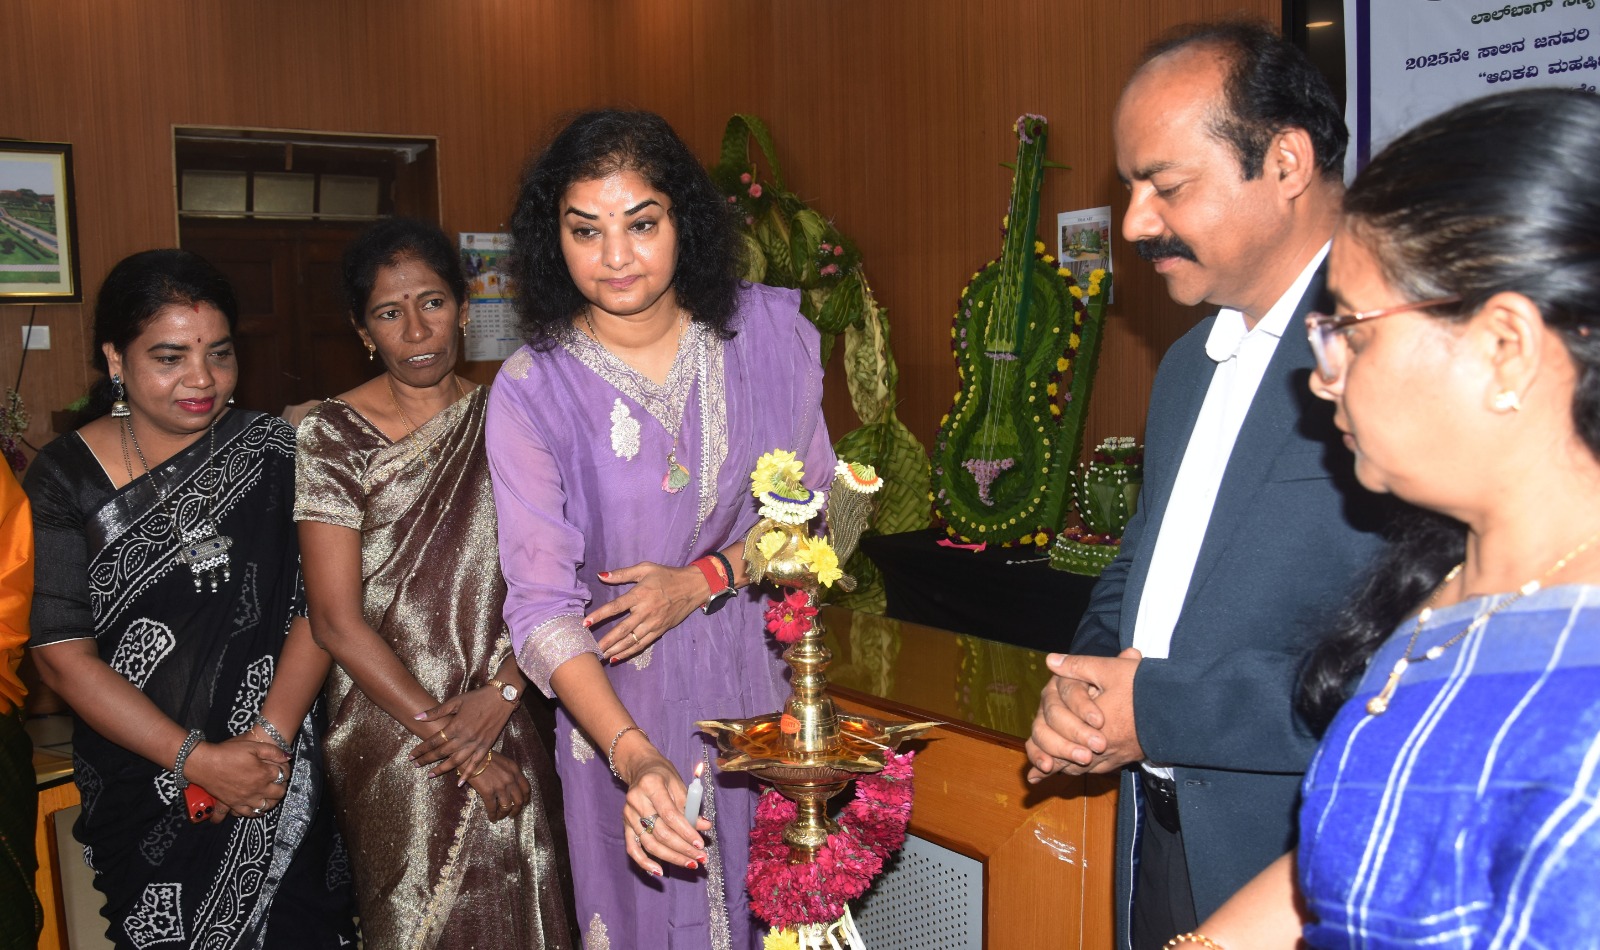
1326	332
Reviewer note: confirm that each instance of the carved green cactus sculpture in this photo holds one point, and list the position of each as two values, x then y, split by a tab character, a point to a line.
1106	492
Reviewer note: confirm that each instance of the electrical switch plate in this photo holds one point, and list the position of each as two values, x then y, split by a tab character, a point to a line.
36	338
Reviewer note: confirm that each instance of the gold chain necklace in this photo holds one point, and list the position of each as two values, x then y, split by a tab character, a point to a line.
426	453
677	477
202	548
1380	702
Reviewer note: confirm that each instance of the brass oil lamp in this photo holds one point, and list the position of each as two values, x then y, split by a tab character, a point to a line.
809	751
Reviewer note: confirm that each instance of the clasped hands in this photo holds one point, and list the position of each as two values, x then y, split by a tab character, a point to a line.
660	599
242	774
469	725
1085	721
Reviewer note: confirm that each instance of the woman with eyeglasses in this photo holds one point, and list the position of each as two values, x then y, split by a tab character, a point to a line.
1455	800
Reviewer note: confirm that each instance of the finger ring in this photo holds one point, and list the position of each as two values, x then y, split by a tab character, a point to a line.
280	779
443	736
263	806
649	824
635	637
638	840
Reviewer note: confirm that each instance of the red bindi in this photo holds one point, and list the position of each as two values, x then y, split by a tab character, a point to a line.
406	296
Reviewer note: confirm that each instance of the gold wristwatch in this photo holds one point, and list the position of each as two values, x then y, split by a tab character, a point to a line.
508	692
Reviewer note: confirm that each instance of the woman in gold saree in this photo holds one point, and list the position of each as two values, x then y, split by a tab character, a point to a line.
449	836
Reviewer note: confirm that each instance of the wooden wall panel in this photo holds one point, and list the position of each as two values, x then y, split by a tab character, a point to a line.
891	116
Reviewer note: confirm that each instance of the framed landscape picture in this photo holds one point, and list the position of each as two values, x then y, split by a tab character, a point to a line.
38	230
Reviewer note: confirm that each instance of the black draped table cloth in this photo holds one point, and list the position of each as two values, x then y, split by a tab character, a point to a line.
1012	595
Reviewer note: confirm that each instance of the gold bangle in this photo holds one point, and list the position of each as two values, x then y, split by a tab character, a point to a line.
483	766
1194	938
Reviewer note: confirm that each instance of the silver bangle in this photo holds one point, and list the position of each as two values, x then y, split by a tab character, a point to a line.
194	738
611	753
272	733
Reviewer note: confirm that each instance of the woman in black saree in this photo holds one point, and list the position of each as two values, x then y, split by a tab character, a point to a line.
171	619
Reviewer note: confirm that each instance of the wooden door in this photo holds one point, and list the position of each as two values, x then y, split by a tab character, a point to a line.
295	341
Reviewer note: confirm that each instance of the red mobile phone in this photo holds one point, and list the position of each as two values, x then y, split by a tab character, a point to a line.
198	803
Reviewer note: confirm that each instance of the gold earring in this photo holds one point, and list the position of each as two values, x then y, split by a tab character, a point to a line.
372	352
1506	401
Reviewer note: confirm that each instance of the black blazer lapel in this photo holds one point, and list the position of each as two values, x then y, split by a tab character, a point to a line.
1276	413
1174	406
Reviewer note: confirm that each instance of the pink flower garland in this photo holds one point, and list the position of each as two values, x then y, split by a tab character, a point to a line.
789	619
871	827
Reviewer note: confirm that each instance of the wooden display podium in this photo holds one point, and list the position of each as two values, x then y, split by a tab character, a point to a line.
1046	850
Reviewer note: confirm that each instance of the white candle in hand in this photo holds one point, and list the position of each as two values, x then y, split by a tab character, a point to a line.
697	791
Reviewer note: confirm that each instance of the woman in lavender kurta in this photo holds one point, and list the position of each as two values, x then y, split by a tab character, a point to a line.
621	441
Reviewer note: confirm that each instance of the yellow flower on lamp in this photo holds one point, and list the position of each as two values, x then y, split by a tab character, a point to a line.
770	543
777	471
818	555
781	940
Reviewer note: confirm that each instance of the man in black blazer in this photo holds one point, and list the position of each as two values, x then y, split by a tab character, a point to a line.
1250	529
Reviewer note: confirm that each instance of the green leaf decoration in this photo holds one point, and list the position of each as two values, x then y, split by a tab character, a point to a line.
788	244
843	306
755	259
1025	341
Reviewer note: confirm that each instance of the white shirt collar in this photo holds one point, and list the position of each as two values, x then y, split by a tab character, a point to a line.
1228	332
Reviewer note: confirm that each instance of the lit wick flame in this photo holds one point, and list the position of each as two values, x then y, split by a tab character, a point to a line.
699	769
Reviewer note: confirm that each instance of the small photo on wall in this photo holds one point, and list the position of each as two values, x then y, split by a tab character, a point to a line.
1083	243
38	234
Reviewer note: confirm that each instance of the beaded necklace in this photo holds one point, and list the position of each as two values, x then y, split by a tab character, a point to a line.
1377	704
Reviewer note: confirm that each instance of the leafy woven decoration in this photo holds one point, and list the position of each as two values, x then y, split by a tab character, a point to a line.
1025	340
789	245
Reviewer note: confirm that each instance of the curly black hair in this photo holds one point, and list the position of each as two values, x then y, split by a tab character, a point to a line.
594	145
1271	86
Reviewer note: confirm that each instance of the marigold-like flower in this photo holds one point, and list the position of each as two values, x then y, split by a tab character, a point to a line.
1075	291
769	543
1073	340
777	471
781	940
818	554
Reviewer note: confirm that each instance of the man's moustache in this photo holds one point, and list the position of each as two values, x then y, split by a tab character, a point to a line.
1154	249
